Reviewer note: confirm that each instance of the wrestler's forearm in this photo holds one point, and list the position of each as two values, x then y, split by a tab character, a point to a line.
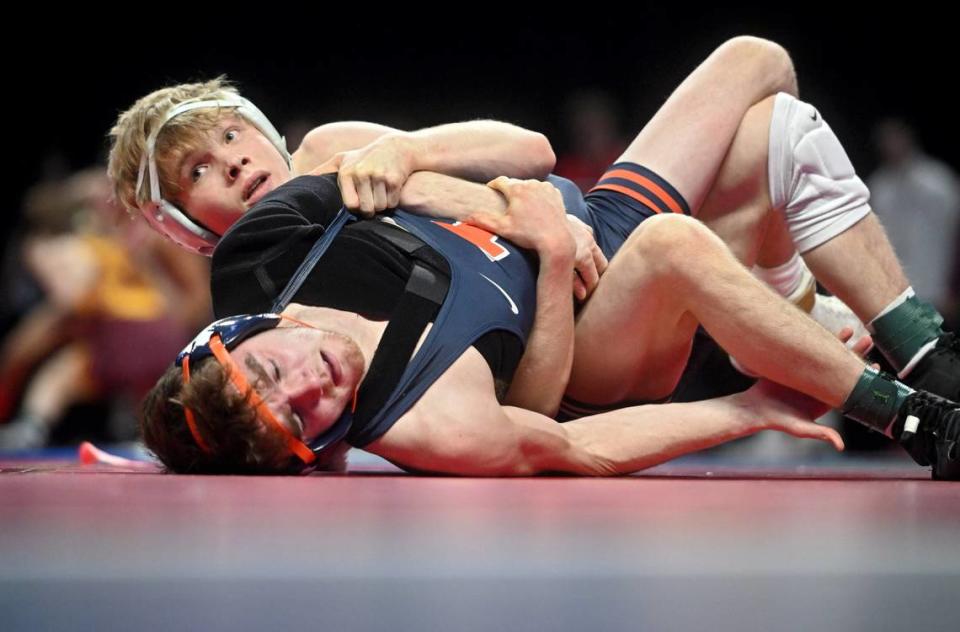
438	195
633	439
323	142
544	370
481	150
475	150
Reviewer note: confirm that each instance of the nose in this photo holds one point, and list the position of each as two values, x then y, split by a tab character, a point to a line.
236	165
306	396
305	388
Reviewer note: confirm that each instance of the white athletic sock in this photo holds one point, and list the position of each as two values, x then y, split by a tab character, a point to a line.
784	278
791	280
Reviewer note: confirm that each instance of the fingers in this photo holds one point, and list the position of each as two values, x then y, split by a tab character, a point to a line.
393	194
863	346
579	289
591	271
371	180
348	191
845	334
599	259
586	277
811	430
368	194
367	204
590	261
379	195
833	437
511	187
487	221
503	184
573	219
330	166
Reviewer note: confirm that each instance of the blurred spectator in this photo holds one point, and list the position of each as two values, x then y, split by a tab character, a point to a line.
592	138
918	199
118	304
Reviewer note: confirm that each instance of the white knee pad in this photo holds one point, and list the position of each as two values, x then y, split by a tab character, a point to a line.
811	179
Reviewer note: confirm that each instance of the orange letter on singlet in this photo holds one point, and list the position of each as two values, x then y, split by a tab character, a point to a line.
482	239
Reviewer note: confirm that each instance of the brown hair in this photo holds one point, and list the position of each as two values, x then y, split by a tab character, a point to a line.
239	442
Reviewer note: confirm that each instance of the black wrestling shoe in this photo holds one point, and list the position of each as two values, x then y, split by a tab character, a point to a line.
939	371
929	430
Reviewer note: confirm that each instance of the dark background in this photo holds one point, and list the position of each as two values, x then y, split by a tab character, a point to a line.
66	86
69	73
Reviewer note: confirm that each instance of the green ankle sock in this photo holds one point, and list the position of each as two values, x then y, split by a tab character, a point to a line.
876	399
902	332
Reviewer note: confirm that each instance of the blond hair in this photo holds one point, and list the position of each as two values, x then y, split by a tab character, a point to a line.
180	136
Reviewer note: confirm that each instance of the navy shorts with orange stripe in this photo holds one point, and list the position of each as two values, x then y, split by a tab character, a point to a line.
625	196
622	199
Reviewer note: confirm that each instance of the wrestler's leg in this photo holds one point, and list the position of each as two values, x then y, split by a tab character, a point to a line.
686	140
709	140
739	210
786	158
873	286
634	335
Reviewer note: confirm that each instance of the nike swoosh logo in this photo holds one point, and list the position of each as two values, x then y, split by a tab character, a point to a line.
814	115
513	306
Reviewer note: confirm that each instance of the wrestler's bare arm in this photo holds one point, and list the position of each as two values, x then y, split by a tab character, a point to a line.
534	220
374	161
325	141
437	195
438	436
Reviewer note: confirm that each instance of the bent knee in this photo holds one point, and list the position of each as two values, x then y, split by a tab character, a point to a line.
768	54
670	238
753	45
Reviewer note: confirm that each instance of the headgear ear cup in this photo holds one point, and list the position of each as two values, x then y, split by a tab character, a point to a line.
168	220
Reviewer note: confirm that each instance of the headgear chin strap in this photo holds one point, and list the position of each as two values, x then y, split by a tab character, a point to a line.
216	340
161	214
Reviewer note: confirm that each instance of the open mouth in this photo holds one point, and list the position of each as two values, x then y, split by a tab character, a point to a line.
254	186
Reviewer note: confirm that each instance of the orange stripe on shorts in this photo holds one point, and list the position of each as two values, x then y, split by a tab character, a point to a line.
639	197
647	183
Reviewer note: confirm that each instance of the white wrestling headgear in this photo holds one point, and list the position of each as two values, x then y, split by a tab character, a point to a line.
162	215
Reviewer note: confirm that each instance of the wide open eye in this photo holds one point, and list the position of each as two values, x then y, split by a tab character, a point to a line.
197	172
231	135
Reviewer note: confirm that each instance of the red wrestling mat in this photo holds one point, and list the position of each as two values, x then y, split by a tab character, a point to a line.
690	545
